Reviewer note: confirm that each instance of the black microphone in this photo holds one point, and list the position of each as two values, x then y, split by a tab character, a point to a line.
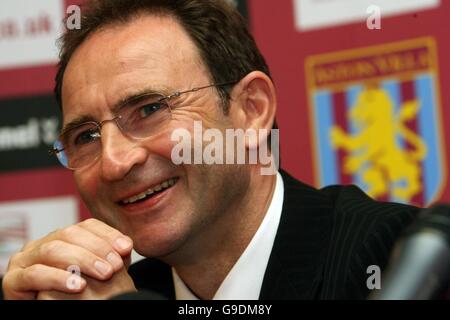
420	264
139	295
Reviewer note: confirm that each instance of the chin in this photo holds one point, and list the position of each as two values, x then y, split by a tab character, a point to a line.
153	242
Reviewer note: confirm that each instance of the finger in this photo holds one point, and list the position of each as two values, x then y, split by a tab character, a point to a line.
121	282
127	261
58	295
122	243
62	255
84	238
24	283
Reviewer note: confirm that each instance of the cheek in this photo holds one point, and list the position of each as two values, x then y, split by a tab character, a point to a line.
88	185
164	145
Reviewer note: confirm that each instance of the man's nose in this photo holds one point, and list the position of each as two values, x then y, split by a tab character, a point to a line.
119	153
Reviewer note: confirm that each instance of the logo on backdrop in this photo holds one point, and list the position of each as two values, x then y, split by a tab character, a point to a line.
376	119
28	128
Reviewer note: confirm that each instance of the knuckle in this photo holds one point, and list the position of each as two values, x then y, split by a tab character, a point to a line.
31	273
69	232
9	284
34	270
51	248
6	281
114	234
89	222
15	260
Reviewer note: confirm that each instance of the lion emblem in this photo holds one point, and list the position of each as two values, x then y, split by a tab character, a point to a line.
374	151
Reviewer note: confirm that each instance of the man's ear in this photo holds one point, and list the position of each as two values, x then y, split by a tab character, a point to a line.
256	105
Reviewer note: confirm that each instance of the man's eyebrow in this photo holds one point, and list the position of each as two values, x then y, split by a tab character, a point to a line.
137	97
76	122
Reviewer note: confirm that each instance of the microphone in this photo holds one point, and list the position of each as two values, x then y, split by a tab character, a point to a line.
420	264
139	295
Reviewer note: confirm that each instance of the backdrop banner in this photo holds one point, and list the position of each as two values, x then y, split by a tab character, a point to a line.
28	128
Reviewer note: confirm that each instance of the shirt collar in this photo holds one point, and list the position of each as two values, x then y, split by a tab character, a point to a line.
244	280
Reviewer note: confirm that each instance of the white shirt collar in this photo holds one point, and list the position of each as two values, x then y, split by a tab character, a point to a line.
244	280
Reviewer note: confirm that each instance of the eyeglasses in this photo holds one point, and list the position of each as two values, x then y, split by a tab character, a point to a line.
139	118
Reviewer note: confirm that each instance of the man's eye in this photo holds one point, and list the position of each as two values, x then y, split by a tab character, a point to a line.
149	109
86	137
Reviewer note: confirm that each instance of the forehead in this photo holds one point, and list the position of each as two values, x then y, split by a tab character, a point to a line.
119	60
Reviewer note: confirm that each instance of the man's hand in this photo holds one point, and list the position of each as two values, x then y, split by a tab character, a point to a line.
121	282
92	246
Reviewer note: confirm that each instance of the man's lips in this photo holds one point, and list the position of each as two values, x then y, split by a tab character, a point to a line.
148	193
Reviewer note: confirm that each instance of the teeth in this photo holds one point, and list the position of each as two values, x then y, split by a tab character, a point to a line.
164	185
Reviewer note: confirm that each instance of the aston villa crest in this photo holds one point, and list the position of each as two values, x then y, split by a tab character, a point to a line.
376	120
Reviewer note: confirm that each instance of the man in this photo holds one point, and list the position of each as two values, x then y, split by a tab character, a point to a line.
127	81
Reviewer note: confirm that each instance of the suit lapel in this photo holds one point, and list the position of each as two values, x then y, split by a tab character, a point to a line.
153	275
295	266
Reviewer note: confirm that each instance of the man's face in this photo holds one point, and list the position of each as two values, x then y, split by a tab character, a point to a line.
117	62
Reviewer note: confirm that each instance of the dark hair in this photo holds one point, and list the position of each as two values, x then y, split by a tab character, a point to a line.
215	26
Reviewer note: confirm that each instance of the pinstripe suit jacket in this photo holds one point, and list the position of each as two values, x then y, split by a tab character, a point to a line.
325	241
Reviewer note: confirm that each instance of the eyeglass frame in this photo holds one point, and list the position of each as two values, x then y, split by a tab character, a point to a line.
55	151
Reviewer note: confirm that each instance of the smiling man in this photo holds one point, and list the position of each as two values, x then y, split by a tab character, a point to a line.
137	71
